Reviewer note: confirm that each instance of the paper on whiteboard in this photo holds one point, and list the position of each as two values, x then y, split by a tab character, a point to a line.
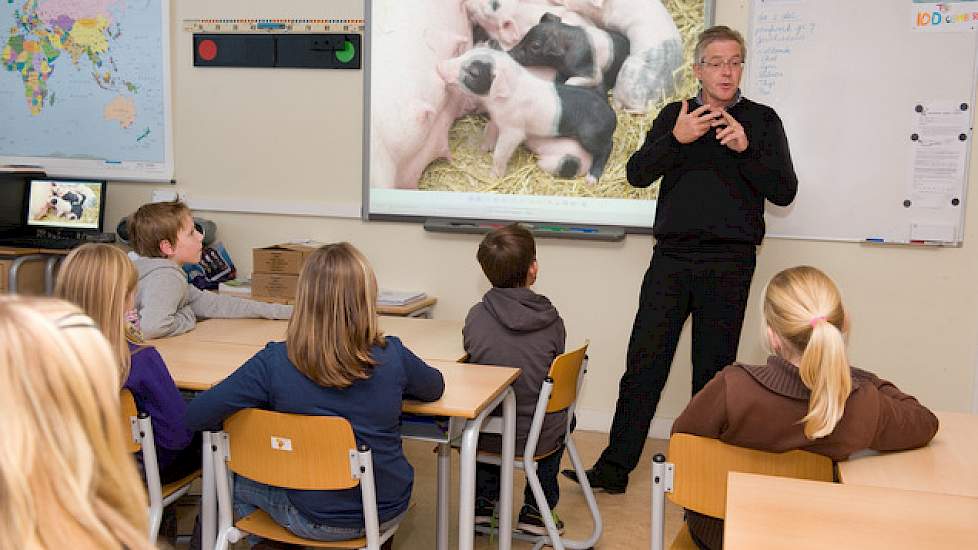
944	16
939	153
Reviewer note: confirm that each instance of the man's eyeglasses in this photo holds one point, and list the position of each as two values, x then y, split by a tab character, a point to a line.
715	65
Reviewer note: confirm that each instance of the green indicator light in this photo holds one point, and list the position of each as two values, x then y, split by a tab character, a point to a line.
347	53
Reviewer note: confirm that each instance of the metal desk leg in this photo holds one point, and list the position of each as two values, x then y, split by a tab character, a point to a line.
15	267
506	471
49	267
466	482
444	485
208	497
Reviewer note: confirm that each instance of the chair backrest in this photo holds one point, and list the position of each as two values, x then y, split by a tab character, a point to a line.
702	464
565	372
291	450
127	404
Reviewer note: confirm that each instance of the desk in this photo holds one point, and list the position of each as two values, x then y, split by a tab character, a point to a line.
774	512
428	338
199	359
947	465
419	308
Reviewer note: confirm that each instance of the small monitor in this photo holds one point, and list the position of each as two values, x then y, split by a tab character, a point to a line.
70	204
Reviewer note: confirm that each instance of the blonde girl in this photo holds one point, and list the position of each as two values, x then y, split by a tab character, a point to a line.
101	280
807	396
334	362
66	480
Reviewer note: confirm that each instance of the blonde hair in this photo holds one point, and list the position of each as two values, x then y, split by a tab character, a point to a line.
334	324
99	279
66	479
804	309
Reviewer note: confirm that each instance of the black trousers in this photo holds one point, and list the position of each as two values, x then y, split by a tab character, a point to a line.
712	286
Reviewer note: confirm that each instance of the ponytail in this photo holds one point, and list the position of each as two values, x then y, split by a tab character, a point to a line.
804	308
824	368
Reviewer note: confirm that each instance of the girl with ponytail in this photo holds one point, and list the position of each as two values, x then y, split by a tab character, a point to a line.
807	396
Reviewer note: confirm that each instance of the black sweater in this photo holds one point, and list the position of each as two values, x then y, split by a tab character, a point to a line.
710	194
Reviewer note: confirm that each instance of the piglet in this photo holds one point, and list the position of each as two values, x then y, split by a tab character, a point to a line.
656	48
559	156
509	20
582	56
522	106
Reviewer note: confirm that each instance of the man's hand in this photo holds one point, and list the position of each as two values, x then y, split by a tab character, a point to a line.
690	126
730	132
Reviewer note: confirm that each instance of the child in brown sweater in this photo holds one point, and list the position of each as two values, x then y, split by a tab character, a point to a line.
807	396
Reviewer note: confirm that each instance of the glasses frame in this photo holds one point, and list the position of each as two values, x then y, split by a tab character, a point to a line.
732	64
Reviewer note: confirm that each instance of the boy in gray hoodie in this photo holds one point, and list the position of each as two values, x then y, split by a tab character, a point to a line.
516	327
164	238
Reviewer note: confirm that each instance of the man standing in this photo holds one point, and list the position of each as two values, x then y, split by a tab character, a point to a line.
720	157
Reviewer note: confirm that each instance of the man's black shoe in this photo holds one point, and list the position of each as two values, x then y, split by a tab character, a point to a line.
599	481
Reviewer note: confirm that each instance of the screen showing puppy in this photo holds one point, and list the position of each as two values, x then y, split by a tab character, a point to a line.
520	109
66	204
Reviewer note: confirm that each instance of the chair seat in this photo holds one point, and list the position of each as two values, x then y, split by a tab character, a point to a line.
261	524
683	540
171	488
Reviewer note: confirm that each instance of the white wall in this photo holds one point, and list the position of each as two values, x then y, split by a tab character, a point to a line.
915	310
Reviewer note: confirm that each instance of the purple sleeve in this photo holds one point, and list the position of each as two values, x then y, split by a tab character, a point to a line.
157	395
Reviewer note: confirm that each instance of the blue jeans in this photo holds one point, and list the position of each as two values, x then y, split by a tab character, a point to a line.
250	495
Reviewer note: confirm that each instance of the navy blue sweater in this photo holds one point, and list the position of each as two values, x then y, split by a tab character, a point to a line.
373	406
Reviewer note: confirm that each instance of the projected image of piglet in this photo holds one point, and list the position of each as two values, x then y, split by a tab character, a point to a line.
582	56
656	46
522	106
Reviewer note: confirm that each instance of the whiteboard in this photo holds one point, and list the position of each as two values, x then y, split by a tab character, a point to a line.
85	88
847	79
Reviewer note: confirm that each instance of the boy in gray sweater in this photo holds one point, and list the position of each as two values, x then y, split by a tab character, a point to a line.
164	238
516	327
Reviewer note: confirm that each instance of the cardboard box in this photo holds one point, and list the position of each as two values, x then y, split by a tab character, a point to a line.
273	285
282	258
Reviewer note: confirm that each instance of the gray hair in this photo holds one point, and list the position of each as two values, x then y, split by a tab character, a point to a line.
715	34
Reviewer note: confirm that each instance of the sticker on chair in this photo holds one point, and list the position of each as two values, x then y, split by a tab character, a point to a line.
281	443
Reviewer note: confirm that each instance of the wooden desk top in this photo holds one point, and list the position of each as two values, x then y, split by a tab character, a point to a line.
428	338
773	512
18	251
12	251
198	365
949	465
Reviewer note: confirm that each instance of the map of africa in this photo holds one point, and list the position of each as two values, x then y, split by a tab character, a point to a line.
83	79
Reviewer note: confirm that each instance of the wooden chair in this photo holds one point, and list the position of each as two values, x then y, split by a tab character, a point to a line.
140	426
296	452
558	393
696	477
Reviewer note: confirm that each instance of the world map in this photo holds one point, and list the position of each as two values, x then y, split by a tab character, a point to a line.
83	79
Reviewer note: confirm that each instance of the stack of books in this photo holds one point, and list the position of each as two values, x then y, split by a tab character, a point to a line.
399	297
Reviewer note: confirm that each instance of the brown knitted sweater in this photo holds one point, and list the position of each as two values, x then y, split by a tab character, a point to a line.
759	407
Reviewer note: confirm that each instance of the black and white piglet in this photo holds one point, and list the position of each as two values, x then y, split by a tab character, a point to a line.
582	55
522	106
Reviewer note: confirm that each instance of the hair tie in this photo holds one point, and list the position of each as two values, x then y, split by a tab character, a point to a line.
815	320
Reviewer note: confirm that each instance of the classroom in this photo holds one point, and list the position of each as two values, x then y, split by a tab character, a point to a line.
275	156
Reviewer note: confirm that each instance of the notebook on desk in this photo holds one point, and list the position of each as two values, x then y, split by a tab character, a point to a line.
399	297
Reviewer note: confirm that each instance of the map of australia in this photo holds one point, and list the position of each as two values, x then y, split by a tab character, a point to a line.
82	79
